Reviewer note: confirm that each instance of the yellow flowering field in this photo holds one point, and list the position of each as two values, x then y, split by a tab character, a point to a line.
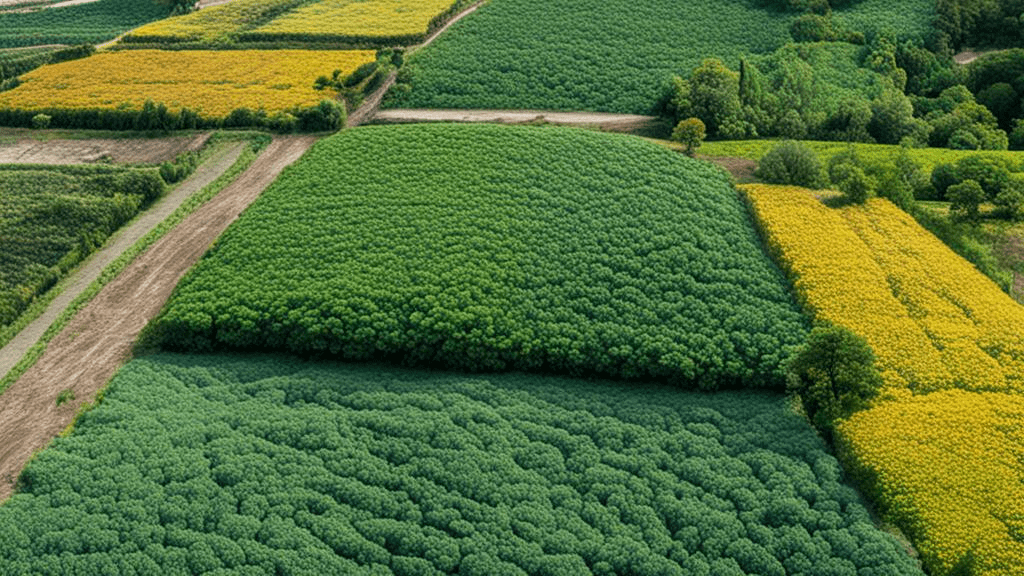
943	450
213	23
211	83
339	19
933	320
947	467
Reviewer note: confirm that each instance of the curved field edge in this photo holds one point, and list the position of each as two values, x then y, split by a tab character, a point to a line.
269	463
497	247
249	154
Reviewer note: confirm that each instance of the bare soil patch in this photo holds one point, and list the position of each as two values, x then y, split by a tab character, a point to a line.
630	123
87	353
742	169
968	56
126	151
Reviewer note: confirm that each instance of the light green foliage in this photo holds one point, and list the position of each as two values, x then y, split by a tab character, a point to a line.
928	158
496	247
690	133
834	374
262	465
53	216
600	55
90	23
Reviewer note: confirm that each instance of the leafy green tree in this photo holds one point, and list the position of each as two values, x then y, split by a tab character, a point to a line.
690	133
1010	200
711	94
834	375
854	183
965	198
790	163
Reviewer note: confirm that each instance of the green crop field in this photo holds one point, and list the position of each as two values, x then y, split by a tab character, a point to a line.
90	23
53	216
270	465
606	56
490	247
599	55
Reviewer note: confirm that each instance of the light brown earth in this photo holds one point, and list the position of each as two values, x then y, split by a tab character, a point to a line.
611	122
968	56
26	150
87	353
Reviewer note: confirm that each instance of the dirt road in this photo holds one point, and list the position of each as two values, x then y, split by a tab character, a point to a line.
28	150
91	269
614	122
85	355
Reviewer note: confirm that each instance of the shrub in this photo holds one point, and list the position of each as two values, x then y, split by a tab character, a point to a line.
834	375
790	163
41	121
965	198
690	133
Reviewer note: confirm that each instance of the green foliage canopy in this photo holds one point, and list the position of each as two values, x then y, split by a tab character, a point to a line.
490	247
264	465
51	217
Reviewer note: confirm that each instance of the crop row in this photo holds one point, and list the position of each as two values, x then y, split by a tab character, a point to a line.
945	463
345	22
52	217
261	465
487	247
211	85
88	23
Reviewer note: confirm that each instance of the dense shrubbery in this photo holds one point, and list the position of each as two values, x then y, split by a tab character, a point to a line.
53	216
497	247
790	163
244	465
90	23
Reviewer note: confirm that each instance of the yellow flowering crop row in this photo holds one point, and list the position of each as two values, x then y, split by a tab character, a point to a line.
211	83
933	321
369	18
947	468
213	23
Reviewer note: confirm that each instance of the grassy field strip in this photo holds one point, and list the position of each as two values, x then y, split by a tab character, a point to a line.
91	268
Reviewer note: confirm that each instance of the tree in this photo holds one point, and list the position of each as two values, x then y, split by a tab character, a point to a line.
713	95
178	7
966	197
853	182
834	375
790	163
690	133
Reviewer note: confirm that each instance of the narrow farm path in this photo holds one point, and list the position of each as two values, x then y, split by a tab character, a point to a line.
614	122
90	270
92	347
368	111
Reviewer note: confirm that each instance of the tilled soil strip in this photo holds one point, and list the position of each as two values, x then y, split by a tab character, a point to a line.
87	353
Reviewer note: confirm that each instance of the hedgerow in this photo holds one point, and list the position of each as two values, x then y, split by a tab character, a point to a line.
492	247
51	217
90	23
261	465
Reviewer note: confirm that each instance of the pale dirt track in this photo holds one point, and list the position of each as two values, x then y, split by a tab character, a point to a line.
87	353
614	122
128	151
90	270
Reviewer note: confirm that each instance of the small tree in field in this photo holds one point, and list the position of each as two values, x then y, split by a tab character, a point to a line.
690	133
790	163
966	198
834	374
